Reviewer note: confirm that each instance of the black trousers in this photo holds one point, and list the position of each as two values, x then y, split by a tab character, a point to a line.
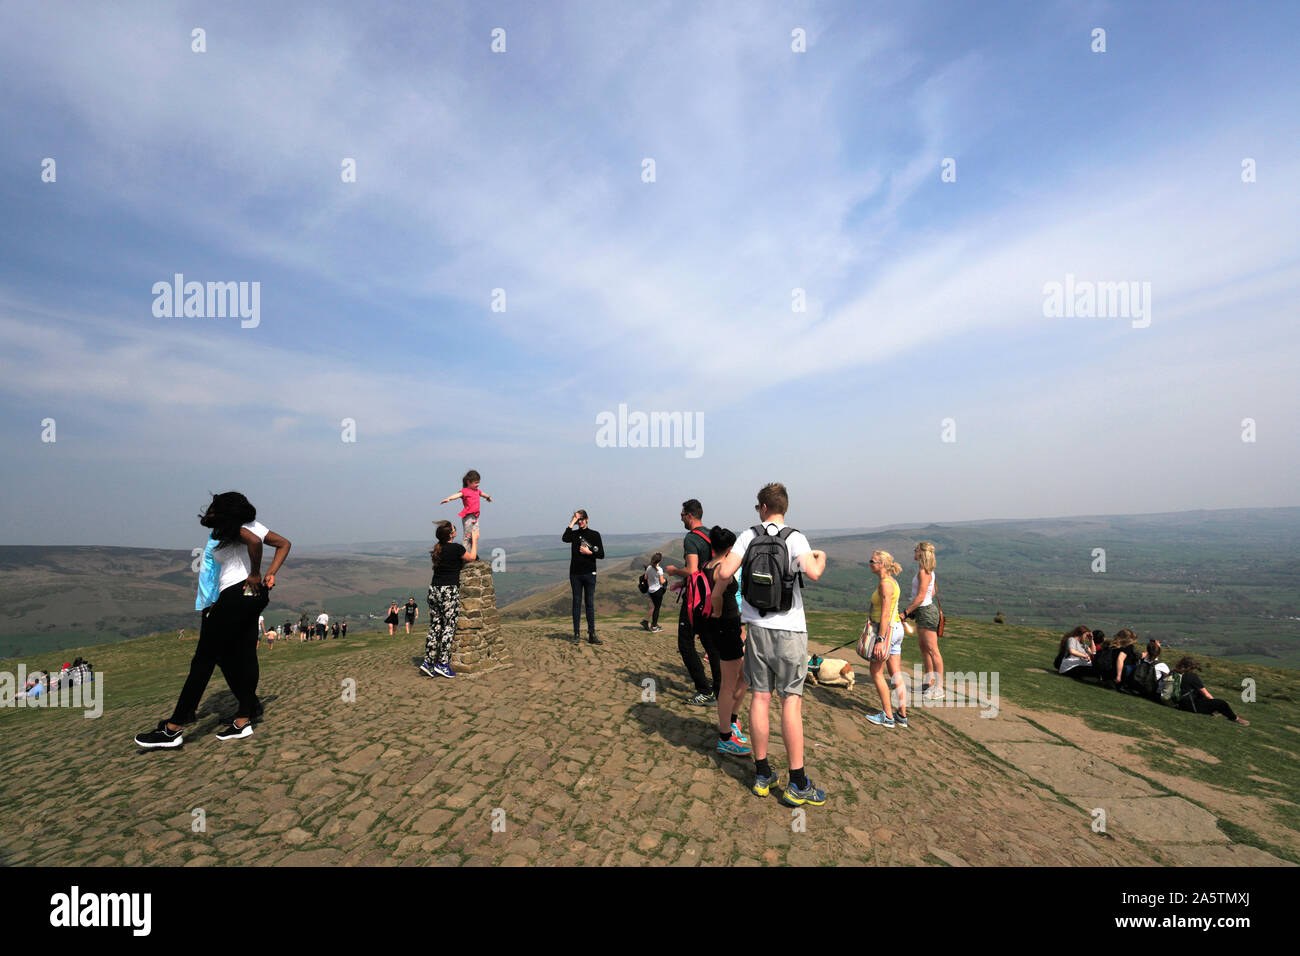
227	639
658	598
691	658
1197	704
584	588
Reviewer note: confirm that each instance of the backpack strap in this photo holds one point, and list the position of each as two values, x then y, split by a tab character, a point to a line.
784	533
703	535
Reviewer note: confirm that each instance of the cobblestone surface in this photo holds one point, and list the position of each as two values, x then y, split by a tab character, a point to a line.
557	759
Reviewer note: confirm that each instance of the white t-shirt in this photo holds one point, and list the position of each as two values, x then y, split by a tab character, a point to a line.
793	619
1162	670
233	558
652	572
261	624
323	619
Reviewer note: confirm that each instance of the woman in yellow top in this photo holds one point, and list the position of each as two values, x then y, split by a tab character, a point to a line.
889	644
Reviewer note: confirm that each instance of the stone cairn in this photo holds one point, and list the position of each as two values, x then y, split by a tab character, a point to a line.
478	646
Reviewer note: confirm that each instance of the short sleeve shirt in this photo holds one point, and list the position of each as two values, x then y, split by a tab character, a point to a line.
471	498
697	545
233	558
792	620
1069	662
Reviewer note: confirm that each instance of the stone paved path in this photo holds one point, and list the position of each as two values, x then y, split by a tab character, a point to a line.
555	760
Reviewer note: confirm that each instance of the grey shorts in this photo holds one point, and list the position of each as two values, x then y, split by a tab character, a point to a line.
776	662
927	617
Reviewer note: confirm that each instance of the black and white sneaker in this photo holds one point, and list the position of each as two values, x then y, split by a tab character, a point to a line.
234	733
162	737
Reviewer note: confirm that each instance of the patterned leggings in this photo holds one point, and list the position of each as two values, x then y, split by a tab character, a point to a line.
444	607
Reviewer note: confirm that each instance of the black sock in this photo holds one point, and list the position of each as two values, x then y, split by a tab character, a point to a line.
763	768
798	779
726	736
734	719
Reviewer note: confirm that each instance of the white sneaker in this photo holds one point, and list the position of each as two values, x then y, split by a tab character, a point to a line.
934	693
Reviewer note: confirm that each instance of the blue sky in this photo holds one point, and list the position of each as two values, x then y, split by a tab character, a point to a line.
522	170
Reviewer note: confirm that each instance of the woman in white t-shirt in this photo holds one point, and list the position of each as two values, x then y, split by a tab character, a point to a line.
656	580
232	596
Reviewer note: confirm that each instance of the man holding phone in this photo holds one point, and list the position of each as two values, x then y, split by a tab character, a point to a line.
586	549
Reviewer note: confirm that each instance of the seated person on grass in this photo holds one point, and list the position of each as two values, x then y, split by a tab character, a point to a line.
1196	698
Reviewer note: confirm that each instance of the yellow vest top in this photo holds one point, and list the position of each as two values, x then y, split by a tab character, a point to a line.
892	587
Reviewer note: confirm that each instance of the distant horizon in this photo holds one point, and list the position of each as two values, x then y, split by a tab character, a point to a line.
832	531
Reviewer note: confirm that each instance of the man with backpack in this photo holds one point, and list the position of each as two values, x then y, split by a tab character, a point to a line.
774	558
697	550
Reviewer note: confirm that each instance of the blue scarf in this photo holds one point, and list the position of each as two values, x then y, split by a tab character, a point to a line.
209	577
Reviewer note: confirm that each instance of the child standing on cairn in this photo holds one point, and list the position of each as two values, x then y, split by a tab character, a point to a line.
470	495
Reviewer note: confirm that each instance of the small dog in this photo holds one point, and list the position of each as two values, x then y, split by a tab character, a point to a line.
833	672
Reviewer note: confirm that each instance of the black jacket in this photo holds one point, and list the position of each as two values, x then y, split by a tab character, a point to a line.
583	563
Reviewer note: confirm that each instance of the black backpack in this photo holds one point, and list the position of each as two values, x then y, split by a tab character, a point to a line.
1144	678
767	582
642	585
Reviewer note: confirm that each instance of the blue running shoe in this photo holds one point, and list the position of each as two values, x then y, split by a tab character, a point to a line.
733	747
735	732
429	670
443	670
763	784
881	720
794	797
900	720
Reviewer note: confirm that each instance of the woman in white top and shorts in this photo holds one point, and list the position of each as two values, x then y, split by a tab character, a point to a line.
925	613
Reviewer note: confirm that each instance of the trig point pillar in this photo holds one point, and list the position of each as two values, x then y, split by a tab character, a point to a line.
478	646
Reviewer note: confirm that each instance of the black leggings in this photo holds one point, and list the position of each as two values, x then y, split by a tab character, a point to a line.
658	598
1198	704
584	588
227	639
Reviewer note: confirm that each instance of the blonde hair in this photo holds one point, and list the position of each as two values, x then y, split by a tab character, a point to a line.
887	559
927	555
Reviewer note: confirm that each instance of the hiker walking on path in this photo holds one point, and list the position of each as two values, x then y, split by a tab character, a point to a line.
1196	697
775	557
232	595
722	628
887	648
586	549
444	598
322	622
469	494
391	618
697	549
412	613
655	584
925	613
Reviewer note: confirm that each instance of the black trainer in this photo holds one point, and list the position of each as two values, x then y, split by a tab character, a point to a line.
162	737
234	733
593	639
